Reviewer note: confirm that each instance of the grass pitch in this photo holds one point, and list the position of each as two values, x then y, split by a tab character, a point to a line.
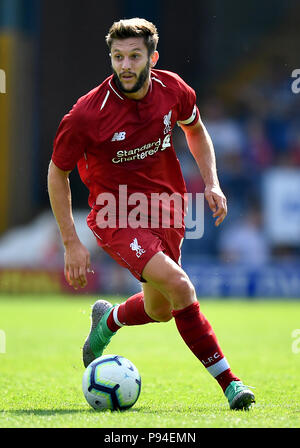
41	369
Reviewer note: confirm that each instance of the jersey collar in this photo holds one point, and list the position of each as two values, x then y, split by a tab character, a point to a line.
122	97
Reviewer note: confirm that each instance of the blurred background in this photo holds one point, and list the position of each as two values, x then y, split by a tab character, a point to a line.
238	56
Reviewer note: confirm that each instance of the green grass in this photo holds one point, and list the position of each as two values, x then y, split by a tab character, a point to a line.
41	371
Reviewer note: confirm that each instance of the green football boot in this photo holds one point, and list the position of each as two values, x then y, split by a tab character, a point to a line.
100	335
239	396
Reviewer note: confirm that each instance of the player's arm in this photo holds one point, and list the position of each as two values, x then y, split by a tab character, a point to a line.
201	147
77	257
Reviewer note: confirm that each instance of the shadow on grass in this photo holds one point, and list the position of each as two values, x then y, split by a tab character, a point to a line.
139	410
53	412
46	412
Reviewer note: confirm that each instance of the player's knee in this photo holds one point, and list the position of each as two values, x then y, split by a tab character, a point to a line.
181	288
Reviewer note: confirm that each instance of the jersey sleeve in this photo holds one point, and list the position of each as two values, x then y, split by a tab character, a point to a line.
69	142
188	110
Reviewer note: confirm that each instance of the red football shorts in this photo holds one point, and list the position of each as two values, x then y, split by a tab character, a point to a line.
133	248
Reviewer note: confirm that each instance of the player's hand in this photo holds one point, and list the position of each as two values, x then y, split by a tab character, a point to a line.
77	264
217	203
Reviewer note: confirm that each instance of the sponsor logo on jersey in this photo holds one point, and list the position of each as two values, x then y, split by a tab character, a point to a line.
149	149
118	136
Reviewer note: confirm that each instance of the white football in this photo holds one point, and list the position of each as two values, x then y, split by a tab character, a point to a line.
111	382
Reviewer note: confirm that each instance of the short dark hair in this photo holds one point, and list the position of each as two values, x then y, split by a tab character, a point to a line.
135	27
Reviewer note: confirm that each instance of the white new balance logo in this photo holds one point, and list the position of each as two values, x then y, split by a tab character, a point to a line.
118	136
137	248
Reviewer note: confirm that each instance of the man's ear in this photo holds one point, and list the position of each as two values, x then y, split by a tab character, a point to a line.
154	58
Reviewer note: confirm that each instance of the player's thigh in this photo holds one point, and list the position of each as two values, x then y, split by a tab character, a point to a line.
156	304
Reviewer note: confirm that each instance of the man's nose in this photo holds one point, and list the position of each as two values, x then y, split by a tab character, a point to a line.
126	63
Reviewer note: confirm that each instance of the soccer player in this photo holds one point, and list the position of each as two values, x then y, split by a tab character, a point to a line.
120	134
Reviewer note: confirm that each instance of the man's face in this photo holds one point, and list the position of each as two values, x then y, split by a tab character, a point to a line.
130	63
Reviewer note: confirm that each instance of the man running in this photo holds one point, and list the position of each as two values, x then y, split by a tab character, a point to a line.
120	135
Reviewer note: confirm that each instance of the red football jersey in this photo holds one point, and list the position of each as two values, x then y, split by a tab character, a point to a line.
118	141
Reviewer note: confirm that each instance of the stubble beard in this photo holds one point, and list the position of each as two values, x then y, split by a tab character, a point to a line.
143	76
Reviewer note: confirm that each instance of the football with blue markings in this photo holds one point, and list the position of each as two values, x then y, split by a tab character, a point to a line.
111	382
